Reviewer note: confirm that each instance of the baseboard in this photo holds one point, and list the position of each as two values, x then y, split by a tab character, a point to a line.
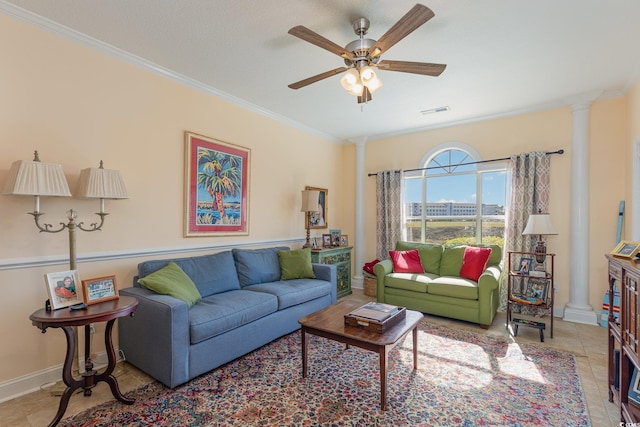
29	383
588	317
35	381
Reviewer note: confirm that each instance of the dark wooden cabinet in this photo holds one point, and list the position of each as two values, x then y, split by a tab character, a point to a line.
624	275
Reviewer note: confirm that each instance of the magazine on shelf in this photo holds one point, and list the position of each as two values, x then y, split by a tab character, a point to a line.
375	311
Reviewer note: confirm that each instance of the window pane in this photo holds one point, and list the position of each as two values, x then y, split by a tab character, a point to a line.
493	207
447	162
453	209
413	208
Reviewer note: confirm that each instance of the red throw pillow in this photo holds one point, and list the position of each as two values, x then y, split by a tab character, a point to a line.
406	261
474	262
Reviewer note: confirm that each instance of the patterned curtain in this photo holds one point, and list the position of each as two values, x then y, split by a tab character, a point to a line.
529	194
389	215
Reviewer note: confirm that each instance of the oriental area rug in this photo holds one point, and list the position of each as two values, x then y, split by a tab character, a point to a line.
464	379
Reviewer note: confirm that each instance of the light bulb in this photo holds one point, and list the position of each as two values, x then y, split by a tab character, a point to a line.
370	79
357	89
350	78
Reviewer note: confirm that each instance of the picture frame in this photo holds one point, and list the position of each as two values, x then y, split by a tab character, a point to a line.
216	183
326	241
64	289
344	240
524	265
538	289
100	289
626	249
319	219
335	237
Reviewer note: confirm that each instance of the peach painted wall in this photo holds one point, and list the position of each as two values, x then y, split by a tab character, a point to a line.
633	103
78	106
540	131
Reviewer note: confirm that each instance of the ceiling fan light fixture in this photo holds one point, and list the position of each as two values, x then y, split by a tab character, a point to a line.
370	79
350	79
357	89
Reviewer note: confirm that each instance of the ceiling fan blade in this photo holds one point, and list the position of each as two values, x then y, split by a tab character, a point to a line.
417	16
314	38
316	78
423	68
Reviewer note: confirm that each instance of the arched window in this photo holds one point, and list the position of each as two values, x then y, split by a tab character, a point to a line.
455	198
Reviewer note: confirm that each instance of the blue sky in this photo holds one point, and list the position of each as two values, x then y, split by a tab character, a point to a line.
460	188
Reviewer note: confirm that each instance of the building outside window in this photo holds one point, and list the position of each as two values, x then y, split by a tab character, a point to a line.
454	199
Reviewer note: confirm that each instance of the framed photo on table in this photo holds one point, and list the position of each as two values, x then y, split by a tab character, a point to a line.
524	266
326	240
100	289
538	289
64	289
626	249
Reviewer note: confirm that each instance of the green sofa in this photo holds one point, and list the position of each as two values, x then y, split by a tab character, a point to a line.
440	290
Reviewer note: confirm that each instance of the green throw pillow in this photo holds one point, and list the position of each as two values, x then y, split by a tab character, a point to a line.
430	254
296	264
171	280
451	262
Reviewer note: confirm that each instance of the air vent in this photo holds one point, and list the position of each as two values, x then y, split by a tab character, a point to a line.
435	110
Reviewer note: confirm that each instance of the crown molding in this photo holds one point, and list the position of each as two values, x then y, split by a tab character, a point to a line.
83	39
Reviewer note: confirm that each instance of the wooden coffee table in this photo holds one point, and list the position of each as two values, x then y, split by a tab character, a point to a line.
329	323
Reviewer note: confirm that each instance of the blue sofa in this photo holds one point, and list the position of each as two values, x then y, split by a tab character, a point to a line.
244	306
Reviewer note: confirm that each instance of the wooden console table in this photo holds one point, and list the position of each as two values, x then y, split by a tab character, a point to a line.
66	319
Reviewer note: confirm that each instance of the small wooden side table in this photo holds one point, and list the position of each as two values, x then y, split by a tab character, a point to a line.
66	319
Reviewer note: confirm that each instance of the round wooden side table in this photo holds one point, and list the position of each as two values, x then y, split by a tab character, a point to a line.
107	311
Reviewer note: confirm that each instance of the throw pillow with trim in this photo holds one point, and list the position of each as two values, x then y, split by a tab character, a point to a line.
474	261
173	281
406	261
296	264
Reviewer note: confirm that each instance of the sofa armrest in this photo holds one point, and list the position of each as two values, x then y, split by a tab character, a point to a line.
156	339
488	294
329	273
381	269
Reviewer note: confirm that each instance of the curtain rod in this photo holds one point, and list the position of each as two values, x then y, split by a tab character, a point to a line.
561	151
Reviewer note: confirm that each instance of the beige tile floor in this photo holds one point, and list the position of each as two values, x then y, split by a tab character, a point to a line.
587	343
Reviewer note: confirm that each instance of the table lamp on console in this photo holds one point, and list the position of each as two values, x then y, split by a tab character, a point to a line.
539	224
310	200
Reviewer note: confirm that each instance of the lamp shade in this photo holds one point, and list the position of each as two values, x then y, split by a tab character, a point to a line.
310	200
99	183
35	178
539	224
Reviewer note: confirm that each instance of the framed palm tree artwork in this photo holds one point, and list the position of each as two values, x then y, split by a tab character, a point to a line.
216	187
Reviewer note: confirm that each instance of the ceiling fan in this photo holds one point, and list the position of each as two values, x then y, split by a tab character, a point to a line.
362	56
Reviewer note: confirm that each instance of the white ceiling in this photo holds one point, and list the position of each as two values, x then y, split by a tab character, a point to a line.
502	56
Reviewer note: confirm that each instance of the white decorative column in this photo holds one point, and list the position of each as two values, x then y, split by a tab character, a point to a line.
357	278
578	308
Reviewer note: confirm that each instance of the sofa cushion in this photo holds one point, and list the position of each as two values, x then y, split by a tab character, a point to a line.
451	262
296	264
211	274
258	265
293	292
474	261
219	313
171	280
409	281
430	254
406	261
455	287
